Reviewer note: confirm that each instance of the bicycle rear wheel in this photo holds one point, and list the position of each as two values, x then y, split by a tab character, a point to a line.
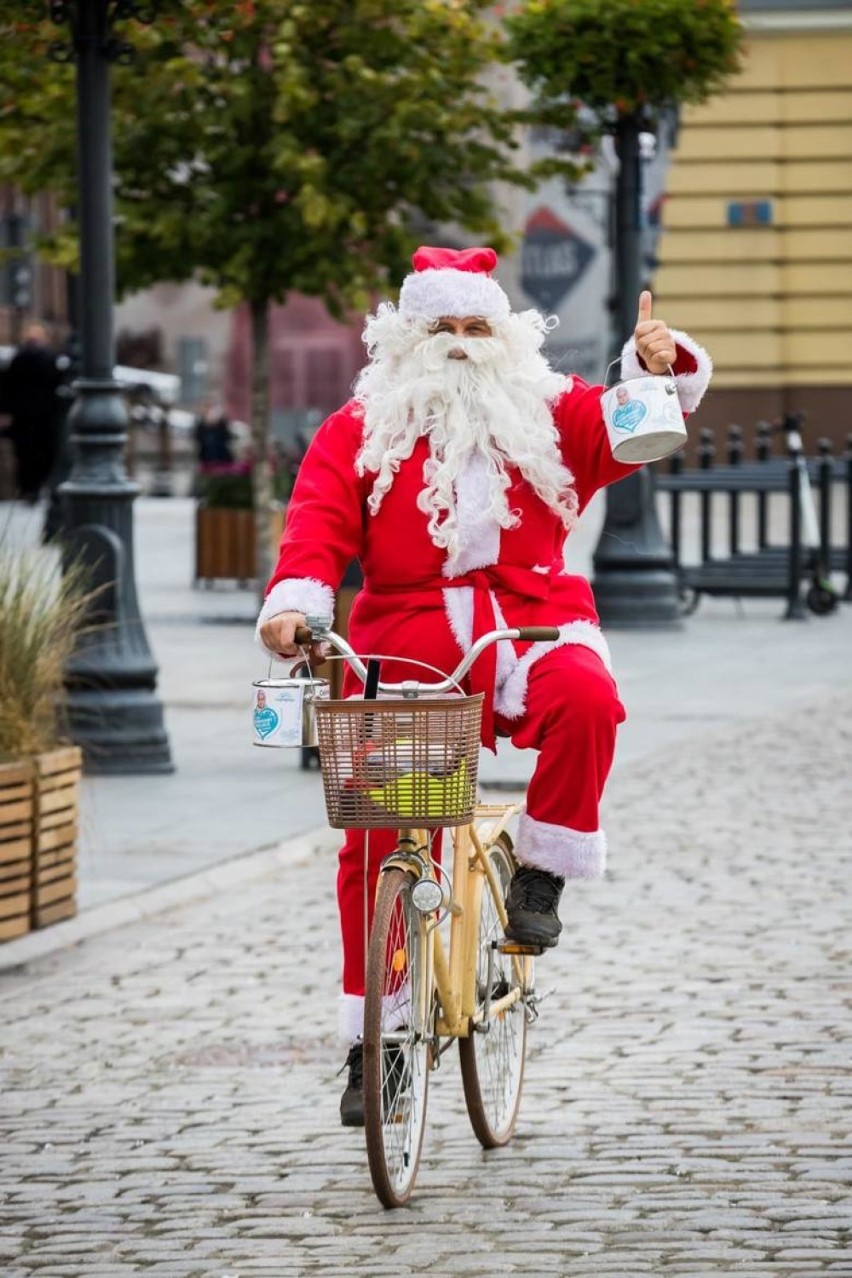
398	1011
492	1063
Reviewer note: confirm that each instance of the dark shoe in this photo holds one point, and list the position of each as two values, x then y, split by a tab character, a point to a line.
352	1100
531	904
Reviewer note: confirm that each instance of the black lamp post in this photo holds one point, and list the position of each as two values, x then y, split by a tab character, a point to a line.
634	576
114	713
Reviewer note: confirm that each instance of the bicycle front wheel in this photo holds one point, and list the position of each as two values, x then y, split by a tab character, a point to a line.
492	1063
398	1016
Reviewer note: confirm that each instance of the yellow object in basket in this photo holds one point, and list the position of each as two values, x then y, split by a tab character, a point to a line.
421	795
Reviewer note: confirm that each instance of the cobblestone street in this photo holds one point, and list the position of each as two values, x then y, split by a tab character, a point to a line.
169	1096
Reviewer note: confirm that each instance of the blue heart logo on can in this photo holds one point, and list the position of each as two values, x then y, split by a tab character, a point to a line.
265	722
629	415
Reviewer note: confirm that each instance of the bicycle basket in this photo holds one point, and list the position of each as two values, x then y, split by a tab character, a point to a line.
398	762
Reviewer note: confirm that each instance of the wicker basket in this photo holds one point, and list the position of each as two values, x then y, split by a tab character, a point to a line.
392	763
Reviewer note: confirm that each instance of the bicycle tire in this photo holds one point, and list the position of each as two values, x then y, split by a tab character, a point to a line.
396	1056
492	1063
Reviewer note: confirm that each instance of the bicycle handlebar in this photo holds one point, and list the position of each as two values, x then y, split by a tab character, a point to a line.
317	630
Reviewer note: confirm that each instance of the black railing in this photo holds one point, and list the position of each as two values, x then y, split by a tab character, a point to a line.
751	563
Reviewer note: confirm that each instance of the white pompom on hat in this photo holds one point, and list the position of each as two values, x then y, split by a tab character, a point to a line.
454	283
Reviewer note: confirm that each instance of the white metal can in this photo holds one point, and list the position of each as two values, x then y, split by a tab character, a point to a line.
644	419
283	711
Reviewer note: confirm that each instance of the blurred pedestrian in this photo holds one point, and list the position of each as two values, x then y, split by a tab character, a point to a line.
31	400
213	439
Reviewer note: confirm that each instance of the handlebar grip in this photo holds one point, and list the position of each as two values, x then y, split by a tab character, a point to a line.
303	635
532	633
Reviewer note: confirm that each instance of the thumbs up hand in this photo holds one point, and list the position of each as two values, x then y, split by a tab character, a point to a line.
654	343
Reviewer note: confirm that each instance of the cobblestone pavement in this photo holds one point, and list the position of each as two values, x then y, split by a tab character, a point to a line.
170	1101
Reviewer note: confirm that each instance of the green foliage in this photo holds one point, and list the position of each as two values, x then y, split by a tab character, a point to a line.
272	145
624	56
41	614
231	486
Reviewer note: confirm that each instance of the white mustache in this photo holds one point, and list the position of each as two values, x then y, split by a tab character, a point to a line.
439	347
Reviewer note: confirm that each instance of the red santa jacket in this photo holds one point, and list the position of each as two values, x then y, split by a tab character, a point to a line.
410	607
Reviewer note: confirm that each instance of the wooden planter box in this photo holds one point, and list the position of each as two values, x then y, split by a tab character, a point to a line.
56	777
38	841
225	541
16	839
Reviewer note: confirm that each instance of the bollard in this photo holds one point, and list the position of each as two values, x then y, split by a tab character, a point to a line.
706	453
675	468
763	450
763	441
796	610
848	593
825	475
735	457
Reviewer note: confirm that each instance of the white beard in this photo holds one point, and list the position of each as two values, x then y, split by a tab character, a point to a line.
497	403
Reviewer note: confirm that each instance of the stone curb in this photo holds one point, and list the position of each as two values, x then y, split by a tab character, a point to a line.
140	905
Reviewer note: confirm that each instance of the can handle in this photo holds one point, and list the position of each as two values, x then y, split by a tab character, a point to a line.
303	637
647	372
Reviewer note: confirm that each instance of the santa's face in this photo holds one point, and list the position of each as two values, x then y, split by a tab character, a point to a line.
469	326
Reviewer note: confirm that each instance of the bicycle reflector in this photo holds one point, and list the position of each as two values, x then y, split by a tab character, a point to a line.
427	896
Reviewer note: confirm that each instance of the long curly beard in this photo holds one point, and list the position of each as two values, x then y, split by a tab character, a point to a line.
496	402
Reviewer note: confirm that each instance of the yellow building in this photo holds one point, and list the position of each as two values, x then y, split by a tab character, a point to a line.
756	251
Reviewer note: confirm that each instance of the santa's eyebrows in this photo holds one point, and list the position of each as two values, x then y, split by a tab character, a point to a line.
466	321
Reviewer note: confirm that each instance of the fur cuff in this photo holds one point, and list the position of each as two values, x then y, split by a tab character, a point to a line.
350	1016
296	594
350	1012
693	368
574	854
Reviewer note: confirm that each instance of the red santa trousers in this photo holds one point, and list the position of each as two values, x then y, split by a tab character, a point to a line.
571	715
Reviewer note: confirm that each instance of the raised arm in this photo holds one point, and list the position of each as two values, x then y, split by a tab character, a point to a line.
578	415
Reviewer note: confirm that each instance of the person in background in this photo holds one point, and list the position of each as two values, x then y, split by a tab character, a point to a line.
30	398
214	445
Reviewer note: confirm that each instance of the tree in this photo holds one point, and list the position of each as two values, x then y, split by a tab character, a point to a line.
627	61
270	146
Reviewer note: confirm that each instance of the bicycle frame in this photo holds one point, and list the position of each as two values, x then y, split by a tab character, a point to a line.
452	970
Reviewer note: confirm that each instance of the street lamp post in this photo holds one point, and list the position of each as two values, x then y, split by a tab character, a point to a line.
113	710
634	572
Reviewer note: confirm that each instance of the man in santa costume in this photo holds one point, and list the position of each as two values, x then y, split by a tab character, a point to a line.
454	475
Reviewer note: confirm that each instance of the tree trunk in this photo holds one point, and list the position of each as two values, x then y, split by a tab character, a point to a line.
261	469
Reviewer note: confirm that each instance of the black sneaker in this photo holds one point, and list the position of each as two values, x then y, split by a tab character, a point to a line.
531	904
352	1100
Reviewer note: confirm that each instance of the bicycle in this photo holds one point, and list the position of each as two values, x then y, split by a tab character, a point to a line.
408	761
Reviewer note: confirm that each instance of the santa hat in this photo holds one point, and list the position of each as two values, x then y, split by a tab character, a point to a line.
453	282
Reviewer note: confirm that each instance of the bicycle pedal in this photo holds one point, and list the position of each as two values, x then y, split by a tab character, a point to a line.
515	947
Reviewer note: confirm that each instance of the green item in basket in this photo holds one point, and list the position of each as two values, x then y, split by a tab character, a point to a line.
419	795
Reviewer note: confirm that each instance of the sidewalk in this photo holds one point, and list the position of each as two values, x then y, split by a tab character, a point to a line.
228	799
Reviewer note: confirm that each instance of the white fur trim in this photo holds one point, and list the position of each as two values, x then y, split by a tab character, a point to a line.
458	605
296	594
479	532
575	854
690	386
350	1016
350	1012
435	293
511	698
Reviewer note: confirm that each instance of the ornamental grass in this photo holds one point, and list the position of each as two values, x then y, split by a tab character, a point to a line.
42	612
